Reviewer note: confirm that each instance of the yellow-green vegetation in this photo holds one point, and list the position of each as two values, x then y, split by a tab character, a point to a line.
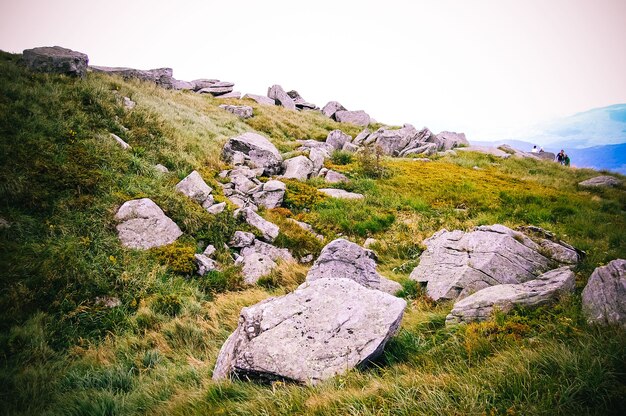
63	352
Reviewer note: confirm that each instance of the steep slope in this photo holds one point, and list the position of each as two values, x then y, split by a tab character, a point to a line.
65	351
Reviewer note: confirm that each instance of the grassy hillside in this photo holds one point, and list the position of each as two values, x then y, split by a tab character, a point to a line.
62	178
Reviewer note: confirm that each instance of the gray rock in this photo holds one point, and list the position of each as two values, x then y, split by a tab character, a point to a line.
255	266
242	239
456	264
392	142
194	187
307	227
57	60
160	168
182	85
198	84
242	183
209	250
143	225
205	264
335	177
360	138
449	140
299	167
340	193
331	108
546	155
232	94
119	141
318	155
128	103
425	149
322	329
261	99
369	242
358	118
337	139
208	202
344	259
300	102
306	259
108	301
604	297
217	208
270	195
274	253
276	93
534	293
268	230
243	111
259	152
349	147
217	88
160	76
604	181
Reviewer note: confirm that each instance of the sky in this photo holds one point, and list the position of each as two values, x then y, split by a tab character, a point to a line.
489	68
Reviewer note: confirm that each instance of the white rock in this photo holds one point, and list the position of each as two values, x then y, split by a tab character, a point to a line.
604	297
242	239
340	193
144	225
299	167
119	141
268	230
194	187
205	264
217	208
255	266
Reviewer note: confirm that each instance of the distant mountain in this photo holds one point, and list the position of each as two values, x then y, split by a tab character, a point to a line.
610	157
600	126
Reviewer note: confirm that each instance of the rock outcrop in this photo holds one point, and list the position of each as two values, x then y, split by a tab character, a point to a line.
299	167
604	297
216	88
269	195
344	259
280	97
331	108
268	230
56	60
358	118
255	150
456	264
144	225
604	181
162	77
544	289
323	328
261	99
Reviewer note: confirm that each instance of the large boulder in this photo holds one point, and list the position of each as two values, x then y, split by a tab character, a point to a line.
344	259
337	139
450	140
255	266
57	60
358	118
331	108
323	328
537	292
456	263
144	225
194	187
268	230
276	93
299	167
270	194
300	102
604	297
217	88
258	152
393	141
604	181
162	77
198	84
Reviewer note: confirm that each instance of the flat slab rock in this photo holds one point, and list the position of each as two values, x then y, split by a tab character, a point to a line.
534	293
144	225
456	264
604	181
55	59
344	259
340	193
322	329
257	150
604	297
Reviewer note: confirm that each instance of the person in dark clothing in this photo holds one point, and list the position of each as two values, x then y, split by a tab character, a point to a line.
560	157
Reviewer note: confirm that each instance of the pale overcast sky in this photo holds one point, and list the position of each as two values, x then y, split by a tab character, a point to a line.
486	67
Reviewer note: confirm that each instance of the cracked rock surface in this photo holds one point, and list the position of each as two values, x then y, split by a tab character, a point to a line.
344	259
456	264
604	297
144	225
322	329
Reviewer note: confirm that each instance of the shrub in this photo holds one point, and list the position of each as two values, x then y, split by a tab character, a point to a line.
369	160
218	281
341	157
177	257
170	304
300	195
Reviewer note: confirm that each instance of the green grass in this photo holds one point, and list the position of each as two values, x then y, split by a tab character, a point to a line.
62	179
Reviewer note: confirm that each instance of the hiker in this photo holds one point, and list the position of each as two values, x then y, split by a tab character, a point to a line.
560	157
566	160
535	150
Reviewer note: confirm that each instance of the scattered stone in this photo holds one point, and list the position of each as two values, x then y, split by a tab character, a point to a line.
421	159
337	139
604	181
119	141
322	329
331	108
259	152
427	149
108	301
360	138
205	264
194	187
261	99
369	242
255	266
456	264
209	250
306	259
335	177
318	155
217	208
144	225
300	102
128	103
534	293
160	76
242	239
233	94
268	230
299	167
160	168
274	253
349	147
604	297
344	259
209	202
270	195
307	227
276	93
340	193
358	118
243	111
57	60
392	142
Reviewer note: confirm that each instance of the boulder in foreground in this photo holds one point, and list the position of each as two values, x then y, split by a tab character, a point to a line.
604	297
322	329
57	60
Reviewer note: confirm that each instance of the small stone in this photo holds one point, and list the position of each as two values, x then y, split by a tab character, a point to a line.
128	103
205	264
194	187
209	250
242	239
119	141
160	168
340	193
217	208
